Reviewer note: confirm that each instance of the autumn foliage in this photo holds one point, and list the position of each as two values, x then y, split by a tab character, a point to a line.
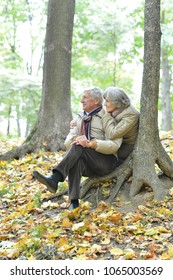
34	227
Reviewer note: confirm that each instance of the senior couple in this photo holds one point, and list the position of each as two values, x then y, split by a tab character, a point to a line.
98	141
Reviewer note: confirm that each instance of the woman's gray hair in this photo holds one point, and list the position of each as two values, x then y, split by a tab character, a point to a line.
117	96
95	92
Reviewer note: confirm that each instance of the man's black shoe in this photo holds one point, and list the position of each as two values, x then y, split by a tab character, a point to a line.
48	181
74	204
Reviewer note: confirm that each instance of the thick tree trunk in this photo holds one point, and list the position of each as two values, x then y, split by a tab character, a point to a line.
55	109
149	150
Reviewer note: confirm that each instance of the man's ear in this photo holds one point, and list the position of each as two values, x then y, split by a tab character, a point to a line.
97	101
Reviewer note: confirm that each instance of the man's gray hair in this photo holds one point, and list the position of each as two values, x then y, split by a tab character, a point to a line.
117	96
95	92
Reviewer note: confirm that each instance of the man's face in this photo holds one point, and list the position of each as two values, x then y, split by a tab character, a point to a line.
89	103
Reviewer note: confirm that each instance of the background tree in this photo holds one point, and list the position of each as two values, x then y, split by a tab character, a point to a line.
166	65
55	110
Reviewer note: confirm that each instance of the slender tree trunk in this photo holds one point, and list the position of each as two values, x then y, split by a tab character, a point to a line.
166	124
165	94
8	123
18	121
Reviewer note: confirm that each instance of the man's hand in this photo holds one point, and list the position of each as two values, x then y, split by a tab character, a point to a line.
83	141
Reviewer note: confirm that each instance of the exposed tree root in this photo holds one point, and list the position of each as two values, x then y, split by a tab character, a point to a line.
55	196
121	173
164	162
35	142
148	175
18	152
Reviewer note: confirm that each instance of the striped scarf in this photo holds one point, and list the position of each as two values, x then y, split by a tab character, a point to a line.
86	121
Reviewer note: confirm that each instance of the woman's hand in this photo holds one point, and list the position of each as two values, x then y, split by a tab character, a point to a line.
73	124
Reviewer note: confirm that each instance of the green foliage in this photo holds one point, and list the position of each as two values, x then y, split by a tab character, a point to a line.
107	50
20	94
98	51
12	13
20	84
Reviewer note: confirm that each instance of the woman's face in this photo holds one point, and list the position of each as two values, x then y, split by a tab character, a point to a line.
110	106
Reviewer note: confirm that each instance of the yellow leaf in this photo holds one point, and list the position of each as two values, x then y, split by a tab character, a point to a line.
28	177
31	258
6	236
66	248
95	248
165	256
81	250
136	218
106	241
151	231
77	226
66	223
63	241
171	191
129	254
12	253
163	230
115	218
105	192
116	252
170	250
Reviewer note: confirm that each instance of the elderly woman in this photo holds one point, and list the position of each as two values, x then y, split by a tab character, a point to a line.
121	120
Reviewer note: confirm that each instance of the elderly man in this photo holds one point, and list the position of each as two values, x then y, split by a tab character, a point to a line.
89	153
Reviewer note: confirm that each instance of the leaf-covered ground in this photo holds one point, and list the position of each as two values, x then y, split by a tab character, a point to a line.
33	228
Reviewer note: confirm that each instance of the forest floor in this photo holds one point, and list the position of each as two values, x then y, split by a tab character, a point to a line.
33	227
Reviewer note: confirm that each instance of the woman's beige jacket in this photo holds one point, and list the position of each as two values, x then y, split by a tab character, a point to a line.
124	125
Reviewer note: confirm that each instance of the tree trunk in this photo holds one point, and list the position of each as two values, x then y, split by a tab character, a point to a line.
18	121
166	124
9	116
149	150
165	94
55	110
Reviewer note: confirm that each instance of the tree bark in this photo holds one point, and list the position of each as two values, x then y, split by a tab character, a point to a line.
149	150
55	109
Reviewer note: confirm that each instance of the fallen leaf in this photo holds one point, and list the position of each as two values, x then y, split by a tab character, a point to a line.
116	252
77	226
